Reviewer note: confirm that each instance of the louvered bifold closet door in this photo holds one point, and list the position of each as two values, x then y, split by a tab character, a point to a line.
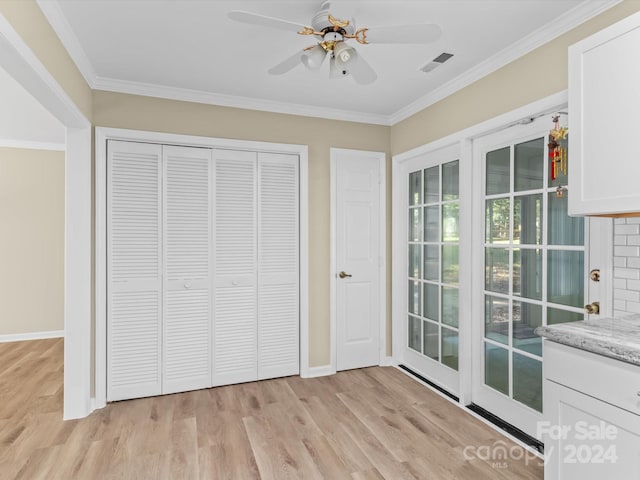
187	269
235	330
278	261
134	270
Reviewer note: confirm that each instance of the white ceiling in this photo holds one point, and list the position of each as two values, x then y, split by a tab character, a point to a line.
191	50
24	122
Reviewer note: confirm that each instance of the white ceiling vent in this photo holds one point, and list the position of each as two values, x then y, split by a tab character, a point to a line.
436	62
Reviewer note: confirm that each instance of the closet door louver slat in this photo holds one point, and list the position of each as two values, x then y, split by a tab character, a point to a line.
188	266
133	270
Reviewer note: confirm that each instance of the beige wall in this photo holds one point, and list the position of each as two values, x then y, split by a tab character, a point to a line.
536	75
146	113
31	241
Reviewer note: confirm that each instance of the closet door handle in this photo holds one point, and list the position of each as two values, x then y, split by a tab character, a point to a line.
344	275
187	284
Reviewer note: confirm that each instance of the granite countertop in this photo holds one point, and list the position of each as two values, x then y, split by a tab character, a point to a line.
617	338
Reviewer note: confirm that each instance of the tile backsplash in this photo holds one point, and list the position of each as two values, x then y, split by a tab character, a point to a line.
626	266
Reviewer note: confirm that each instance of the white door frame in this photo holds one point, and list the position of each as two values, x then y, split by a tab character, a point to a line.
381	157
23	65
101	136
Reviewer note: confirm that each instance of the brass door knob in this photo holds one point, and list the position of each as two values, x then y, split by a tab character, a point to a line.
594	275
344	275
592	308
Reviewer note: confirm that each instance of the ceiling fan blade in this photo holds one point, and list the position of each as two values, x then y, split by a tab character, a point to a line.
288	64
264	21
361	71
415	34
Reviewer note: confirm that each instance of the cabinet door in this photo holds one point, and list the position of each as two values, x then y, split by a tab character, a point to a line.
235	324
134	270
588	439
604	75
278	276
187	266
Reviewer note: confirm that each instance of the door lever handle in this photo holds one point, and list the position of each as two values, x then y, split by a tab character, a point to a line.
344	275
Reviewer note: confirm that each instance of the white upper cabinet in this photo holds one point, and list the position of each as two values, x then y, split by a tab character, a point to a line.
604	121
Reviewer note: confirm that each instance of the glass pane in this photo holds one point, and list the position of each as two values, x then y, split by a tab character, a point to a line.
496	276
415	224
556	315
432	224
527	273
430	340
450	264
498	171
526	318
414	297
528	164
496	319
527	381
414	261
431	302
414	333
497	220
565	277
432	185
450	348
415	188
432	262
563	229
527	219
450	215
450	181
496	368
450	306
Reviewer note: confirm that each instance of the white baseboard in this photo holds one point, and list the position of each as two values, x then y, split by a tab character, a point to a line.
321	371
19	337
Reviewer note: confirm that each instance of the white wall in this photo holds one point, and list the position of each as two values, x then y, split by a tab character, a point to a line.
626	262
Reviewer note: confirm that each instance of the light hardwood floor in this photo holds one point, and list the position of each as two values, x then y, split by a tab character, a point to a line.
361	424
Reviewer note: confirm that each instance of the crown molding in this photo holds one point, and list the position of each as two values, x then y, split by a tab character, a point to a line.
31	145
556	27
198	96
550	31
53	13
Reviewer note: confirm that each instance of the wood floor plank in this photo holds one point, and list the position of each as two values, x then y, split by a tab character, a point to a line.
373	423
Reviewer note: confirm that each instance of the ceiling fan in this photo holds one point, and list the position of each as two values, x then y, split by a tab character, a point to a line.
332	35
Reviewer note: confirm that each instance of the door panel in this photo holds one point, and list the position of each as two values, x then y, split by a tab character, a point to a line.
235	339
188	265
431	332
278	273
530	270
358	226
134	269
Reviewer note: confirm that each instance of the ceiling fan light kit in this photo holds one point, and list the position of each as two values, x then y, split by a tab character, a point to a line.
332	35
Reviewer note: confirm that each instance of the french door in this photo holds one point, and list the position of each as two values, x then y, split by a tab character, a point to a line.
531	264
433	274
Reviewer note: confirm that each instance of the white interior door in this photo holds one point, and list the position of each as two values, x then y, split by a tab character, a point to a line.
357	257
188	265
134	270
235	336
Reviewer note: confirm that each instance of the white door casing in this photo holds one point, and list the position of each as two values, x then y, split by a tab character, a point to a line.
357	260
